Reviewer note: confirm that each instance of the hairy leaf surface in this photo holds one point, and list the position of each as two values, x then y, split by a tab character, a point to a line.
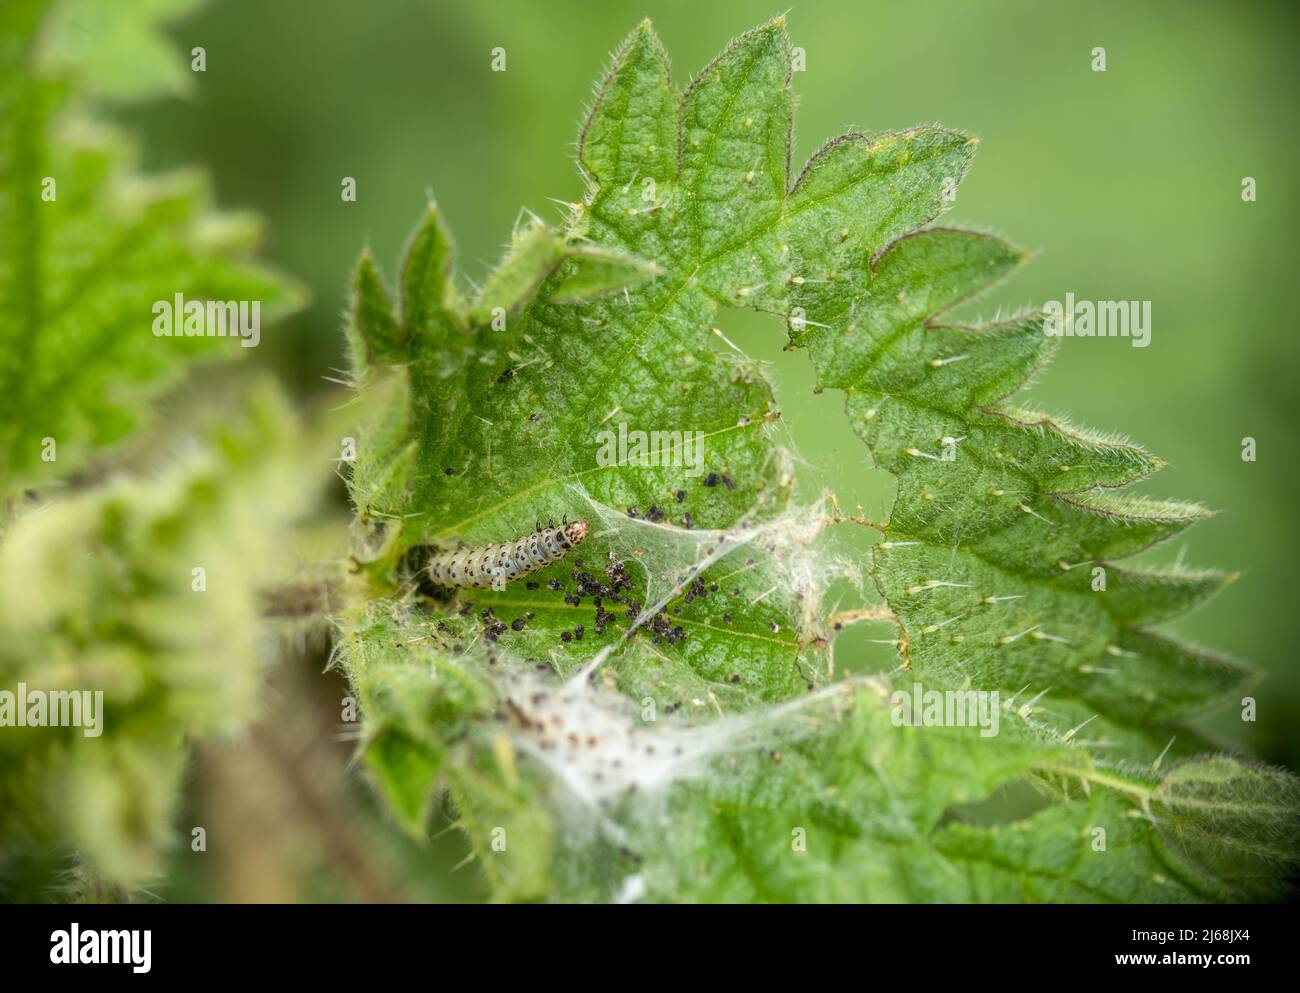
697	747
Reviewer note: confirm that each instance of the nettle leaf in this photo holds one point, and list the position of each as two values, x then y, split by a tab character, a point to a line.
1056	856
655	715
1235	821
998	552
147	592
538	252
845	812
89	248
118	53
133	605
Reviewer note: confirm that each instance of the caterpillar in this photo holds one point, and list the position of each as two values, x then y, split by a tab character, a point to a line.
495	565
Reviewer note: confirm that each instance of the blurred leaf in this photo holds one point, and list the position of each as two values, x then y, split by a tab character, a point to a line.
117	50
142	592
99	593
1233	820
91	249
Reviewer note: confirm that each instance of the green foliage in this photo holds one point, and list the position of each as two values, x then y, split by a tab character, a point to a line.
89	247
118	51
98	588
863	811
98	592
988	565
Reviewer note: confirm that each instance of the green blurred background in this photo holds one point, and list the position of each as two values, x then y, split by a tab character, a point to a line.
1128	183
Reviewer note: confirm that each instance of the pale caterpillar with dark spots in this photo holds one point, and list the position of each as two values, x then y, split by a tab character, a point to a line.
495	565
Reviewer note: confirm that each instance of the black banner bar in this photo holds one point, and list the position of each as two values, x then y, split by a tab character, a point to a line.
333	943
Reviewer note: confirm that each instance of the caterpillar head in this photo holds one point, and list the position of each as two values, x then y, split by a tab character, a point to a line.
575	531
